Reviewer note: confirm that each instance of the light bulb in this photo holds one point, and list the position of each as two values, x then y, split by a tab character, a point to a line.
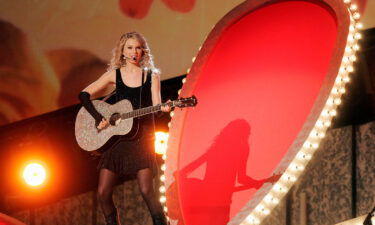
163	199
351	38
353	58
359	25
353	7
356	15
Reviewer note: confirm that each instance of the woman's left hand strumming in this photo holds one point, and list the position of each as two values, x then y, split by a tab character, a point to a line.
166	108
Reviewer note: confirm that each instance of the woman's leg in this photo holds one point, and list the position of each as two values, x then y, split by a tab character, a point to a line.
107	181
145	182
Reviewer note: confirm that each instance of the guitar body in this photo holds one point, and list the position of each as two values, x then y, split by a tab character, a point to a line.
89	137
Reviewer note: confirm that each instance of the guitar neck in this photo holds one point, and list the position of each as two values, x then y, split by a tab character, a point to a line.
145	111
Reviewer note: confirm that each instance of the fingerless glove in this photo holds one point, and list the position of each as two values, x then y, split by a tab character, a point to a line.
84	97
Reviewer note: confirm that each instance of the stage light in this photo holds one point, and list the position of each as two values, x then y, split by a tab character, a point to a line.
346	59
359	25
161	142
351	38
163	199
163	167
252	220
34	174
337	101
353	58
162	189
353	7
356	16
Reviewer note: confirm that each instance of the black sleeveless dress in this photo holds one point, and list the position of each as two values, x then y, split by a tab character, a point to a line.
126	157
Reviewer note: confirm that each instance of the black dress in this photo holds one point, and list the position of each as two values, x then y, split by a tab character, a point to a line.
126	156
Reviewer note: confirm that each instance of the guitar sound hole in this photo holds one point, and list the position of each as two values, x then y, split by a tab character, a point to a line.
114	118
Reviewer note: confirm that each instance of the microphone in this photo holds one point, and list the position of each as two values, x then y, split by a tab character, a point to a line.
130	58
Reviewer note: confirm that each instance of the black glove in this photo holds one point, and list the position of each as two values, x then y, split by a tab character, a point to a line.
84	97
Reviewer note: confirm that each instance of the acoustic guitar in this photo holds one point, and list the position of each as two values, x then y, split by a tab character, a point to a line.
120	117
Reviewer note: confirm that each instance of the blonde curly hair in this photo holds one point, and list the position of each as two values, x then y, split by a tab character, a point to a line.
118	60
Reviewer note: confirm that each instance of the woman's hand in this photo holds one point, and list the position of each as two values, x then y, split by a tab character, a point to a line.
103	124
166	108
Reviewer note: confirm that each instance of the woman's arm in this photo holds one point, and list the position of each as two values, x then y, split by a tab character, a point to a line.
96	87
155	90
106	80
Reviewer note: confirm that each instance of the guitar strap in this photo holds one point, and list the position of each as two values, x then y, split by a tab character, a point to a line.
149	73
140	91
109	95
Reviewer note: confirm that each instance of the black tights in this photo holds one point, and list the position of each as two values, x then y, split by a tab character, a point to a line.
107	181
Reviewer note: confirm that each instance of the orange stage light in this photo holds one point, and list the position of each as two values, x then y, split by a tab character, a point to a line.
34	174
161	142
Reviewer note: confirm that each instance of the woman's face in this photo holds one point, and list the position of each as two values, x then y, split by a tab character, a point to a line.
132	51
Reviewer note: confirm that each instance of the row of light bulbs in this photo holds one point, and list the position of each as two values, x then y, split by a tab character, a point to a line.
162	188
297	166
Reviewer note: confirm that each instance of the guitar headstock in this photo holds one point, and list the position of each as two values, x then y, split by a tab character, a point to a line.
186	102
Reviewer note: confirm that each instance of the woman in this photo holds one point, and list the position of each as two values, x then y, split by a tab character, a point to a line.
131	62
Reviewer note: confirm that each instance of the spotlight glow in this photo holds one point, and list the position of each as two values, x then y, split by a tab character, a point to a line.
161	142
34	174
